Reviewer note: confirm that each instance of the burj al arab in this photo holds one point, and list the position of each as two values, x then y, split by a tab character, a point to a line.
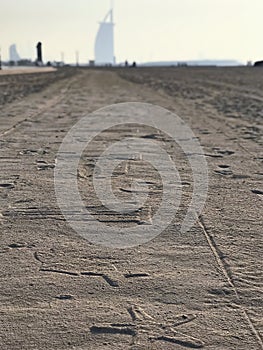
104	44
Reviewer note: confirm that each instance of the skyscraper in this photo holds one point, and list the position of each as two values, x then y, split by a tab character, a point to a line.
13	55
104	45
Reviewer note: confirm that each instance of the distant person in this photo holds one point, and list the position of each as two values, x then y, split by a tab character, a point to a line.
126	63
134	65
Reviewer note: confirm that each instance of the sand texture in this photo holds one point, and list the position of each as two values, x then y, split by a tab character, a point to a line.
201	289
26	70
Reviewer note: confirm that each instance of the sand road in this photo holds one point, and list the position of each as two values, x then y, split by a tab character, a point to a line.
201	289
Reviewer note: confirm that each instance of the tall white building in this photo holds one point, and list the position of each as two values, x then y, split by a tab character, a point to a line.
13	54
104	45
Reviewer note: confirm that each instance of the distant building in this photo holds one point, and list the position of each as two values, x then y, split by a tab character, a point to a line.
104	45
13	54
39	60
258	64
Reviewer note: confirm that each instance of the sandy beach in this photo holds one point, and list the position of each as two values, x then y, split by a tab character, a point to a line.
25	70
200	289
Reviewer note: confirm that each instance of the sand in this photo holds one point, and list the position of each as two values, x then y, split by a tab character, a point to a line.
200	289
16	85
27	70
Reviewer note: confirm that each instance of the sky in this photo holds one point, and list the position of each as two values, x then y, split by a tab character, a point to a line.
145	30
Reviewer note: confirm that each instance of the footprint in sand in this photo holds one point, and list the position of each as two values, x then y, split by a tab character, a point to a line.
223	170
7	185
223	166
226	152
43	165
260	193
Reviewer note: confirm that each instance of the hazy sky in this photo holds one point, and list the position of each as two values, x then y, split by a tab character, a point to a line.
145	30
